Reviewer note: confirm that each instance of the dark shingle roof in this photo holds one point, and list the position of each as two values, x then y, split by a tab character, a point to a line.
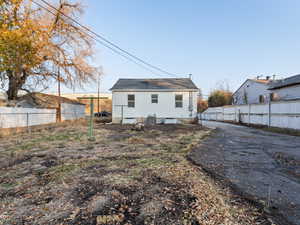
285	82
153	84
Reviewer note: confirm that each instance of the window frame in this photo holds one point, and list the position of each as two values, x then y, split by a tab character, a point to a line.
154	98
179	101
130	102
261	99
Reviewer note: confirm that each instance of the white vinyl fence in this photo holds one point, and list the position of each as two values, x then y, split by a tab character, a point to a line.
284	114
11	117
25	117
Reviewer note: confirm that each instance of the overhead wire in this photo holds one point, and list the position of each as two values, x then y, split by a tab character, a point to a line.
108	44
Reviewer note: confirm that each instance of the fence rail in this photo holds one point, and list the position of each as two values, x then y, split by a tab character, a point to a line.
283	114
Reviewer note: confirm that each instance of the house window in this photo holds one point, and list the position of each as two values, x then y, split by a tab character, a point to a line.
154	98
178	101
131	101
261	99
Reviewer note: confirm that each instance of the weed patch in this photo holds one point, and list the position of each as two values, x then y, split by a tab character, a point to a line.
124	177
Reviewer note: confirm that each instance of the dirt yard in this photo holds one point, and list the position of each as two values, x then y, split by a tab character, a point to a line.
58	176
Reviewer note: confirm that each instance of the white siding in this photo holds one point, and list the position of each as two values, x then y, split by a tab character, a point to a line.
252	90
284	114
72	111
23	117
292	92
165	108
11	117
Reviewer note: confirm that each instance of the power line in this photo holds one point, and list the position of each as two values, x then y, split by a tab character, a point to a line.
102	43
107	42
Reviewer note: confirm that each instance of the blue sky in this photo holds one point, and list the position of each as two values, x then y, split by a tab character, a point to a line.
213	40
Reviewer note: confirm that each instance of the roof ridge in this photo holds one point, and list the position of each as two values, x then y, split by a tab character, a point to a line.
152	78
154	83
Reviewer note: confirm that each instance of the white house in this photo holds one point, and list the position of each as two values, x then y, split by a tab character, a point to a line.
252	91
286	89
168	100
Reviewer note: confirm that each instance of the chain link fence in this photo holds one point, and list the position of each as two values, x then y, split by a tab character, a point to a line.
26	117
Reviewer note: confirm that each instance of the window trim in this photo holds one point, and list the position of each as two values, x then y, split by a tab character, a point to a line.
180	101
131	102
155	98
262	99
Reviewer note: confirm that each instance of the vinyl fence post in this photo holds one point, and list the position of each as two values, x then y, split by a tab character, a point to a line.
269	114
122	113
249	111
235	114
223	113
200	119
27	122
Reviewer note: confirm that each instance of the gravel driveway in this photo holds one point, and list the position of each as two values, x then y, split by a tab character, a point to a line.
263	166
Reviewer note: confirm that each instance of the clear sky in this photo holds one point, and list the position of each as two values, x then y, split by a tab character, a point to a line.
212	39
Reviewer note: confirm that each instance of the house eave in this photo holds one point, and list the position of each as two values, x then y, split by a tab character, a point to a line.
154	90
283	86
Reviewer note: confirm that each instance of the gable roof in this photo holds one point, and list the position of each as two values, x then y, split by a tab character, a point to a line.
260	81
41	100
285	82
155	84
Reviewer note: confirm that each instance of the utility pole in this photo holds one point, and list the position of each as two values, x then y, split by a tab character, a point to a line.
59	95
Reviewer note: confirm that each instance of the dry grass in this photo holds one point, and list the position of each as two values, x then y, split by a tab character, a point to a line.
292	132
124	177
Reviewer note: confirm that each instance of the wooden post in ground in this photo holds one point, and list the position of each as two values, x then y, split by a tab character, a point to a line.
27	123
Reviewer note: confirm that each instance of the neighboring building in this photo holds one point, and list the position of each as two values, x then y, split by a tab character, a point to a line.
3	95
41	100
252	91
286	89
103	104
86	95
167	100
70	108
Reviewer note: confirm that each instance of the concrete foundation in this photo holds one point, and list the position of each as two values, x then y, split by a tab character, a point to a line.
117	120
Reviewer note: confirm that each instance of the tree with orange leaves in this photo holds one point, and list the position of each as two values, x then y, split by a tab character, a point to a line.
35	44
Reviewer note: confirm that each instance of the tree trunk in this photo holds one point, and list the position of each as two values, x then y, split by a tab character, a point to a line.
15	83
